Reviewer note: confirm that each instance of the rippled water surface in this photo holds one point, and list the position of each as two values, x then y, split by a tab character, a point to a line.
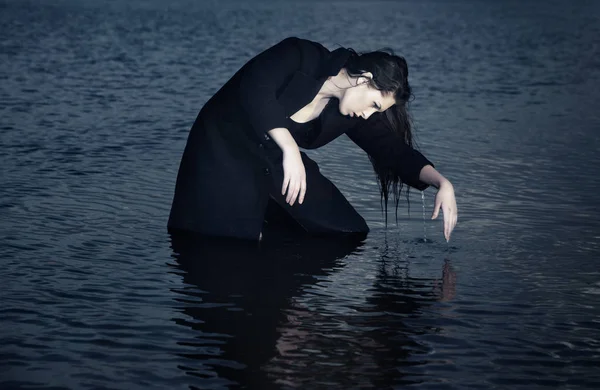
96	101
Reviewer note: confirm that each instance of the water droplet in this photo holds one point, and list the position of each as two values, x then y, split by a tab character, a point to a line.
424	225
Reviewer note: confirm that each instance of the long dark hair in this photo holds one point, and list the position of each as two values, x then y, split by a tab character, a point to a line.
390	75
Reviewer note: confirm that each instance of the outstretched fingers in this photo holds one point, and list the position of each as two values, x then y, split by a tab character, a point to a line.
436	209
292	193
302	191
286	182
446	226
450	219
299	191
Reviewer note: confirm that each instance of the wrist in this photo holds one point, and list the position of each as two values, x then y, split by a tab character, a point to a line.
443	182
290	148
432	177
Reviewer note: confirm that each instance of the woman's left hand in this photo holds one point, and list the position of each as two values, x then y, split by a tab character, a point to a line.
446	200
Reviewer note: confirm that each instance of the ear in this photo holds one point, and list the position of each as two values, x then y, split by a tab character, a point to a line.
365	77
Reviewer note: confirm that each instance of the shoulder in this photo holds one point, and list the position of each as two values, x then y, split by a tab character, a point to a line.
304	43
312	54
307	47
293	53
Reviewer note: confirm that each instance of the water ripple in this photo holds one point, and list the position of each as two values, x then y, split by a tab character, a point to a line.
97	100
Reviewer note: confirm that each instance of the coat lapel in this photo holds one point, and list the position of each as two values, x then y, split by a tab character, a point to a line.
334	62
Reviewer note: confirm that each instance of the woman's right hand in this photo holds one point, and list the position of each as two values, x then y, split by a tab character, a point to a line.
294	176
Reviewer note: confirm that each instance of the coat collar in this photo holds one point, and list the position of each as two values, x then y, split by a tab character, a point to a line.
303	87
334	62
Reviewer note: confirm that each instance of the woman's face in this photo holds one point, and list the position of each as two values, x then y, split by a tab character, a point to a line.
364	100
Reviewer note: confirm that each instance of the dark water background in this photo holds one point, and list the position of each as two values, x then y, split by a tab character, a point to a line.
96	100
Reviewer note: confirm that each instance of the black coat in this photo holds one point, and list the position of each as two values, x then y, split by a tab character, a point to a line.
224	179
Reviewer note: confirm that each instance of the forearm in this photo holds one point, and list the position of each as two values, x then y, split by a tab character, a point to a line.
432	177
284	139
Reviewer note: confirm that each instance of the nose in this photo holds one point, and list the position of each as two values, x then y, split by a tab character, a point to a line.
368	114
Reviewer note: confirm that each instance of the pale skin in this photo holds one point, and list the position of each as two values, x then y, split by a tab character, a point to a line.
356	98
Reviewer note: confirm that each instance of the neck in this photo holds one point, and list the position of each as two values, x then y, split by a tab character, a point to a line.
335	86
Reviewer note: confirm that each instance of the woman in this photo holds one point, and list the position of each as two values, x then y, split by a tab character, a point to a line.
242	153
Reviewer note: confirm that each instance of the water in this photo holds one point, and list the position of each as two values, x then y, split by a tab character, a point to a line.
96	100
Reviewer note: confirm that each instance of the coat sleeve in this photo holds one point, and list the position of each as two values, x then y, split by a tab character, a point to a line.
389	150
262	77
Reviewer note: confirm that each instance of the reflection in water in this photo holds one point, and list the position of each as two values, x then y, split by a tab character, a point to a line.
447	285
264	319
238	294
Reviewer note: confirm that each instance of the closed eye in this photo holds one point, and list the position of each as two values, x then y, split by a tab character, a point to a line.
378	107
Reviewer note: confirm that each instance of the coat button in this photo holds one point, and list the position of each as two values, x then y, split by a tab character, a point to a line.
260	146
266	137
267	171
